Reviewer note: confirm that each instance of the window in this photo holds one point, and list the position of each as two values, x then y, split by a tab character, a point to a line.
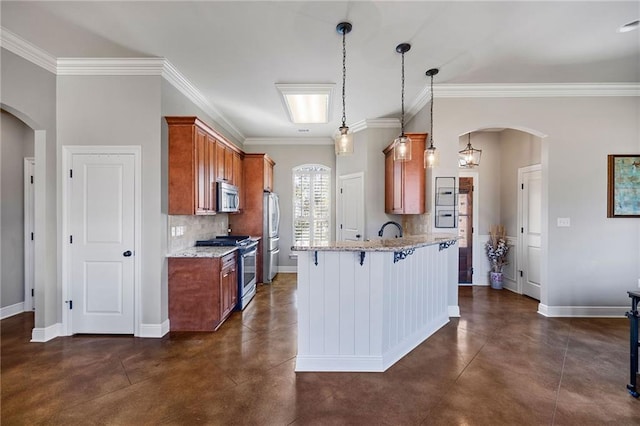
311	204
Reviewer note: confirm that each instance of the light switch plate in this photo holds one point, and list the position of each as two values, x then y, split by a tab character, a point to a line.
564	222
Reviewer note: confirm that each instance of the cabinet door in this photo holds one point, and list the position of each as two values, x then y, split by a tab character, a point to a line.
220	161
228	286
211	146
228	165
268	175
202	173
237	174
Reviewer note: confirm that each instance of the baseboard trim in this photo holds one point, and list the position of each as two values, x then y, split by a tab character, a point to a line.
154	331
42	335
453	311
287	269
582	311
11	310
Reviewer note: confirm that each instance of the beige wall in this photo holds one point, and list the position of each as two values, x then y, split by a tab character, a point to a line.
124	110
596	260
29	93
16	143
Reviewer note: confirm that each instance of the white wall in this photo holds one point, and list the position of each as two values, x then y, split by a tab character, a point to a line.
596	260
29	93
124	110
286	158
368	158
16	143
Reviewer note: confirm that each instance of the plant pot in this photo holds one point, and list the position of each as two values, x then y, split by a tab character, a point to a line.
496	280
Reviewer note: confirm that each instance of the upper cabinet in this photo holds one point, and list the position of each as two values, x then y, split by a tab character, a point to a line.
405	180
198	157
268	173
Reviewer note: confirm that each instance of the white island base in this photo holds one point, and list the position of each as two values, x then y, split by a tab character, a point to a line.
366	317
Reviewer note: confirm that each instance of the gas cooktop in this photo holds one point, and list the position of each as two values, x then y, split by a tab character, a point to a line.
225	240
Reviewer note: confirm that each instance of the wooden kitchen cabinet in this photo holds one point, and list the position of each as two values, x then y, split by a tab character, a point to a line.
203	291
405	181
257	177
228	285
198	157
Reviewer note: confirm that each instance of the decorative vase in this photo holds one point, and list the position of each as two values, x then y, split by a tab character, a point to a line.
496	280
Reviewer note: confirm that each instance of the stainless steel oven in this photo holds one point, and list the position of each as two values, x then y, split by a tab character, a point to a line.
247	253
247	273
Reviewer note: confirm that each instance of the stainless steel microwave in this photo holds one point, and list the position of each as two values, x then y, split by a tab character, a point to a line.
228	200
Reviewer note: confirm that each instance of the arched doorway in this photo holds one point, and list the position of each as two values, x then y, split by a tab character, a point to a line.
40	332
497	191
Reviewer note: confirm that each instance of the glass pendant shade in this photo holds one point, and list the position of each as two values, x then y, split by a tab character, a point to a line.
469	157
402	148
431	157
344	142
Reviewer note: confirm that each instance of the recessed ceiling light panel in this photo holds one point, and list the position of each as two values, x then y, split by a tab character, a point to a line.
307	103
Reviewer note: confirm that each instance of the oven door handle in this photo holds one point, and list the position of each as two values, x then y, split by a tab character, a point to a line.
252	252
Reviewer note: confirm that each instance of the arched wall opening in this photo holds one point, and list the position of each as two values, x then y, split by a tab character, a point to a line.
42	293
506	152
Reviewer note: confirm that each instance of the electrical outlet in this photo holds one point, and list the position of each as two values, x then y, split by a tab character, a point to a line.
638	282
564	222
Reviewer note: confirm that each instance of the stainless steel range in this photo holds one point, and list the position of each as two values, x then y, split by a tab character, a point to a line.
247	251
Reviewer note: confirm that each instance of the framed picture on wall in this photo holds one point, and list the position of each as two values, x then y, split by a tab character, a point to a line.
623	186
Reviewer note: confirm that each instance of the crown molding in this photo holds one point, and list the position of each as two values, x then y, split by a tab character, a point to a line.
548	90
27	51
110	66
288	141
375	123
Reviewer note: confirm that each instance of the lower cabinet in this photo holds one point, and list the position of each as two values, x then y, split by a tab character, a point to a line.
203	291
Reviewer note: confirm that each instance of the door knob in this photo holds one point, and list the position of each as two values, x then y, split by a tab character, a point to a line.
358	235
127	253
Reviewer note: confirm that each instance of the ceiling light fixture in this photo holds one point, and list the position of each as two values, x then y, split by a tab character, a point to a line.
430	154
402	144
307	103
469	157
344	140
629	27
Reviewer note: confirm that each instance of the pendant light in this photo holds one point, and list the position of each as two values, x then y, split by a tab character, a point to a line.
469	157
430	154
344	140
402	144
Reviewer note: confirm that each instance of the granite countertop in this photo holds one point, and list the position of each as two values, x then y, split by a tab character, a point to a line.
204	252
387	244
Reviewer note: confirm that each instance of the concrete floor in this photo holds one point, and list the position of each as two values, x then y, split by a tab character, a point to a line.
500	363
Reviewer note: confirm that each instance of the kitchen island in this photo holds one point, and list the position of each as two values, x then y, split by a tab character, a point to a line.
363	305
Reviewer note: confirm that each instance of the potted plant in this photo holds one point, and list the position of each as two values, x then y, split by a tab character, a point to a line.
497	250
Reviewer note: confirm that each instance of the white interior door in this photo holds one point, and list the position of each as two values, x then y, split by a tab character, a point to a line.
101	243
530	213
351	201
29	225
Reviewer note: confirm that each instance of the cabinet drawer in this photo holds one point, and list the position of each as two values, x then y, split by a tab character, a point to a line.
229	261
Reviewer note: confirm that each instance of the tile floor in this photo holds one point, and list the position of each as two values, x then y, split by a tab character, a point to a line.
499	364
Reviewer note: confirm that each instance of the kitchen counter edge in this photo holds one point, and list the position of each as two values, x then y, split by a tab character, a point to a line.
390	244
204	252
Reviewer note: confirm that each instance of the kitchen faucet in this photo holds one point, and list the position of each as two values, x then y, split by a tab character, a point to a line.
381	231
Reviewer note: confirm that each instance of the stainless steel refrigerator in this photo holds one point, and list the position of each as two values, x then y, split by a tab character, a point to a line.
270	236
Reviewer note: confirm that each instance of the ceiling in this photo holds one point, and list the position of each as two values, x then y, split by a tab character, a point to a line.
234	52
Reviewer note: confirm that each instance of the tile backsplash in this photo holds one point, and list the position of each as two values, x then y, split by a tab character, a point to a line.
416	224
184	231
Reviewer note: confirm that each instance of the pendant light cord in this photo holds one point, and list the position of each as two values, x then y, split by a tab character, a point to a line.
344	77
431	115
402	115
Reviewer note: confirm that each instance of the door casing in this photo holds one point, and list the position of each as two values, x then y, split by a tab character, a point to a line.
67	158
